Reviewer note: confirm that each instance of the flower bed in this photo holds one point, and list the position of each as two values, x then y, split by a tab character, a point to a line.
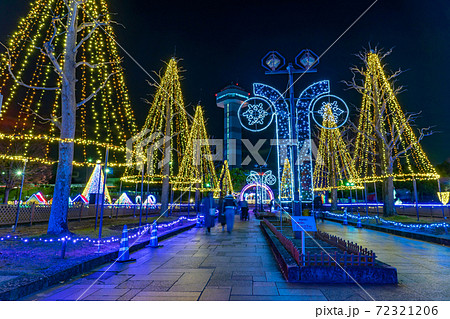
328	266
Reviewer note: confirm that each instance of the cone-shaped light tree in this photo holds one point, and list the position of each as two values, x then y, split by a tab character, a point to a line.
162	143
197	170
225	182
334	165
386	147
286	181
61	75
95	185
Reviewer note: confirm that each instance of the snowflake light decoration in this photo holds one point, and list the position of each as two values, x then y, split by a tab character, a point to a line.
255	114
330	111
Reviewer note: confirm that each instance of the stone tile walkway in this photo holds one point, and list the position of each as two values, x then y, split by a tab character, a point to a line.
240	266
192	266
423	268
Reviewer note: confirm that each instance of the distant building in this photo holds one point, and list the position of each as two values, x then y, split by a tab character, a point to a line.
230	99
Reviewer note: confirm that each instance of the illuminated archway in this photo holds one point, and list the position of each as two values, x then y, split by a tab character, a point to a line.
268	192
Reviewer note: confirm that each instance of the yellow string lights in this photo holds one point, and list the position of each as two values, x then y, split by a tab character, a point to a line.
334	165
166	123
224	181
380	109
54	140
107	120
444	197
286	181
197	168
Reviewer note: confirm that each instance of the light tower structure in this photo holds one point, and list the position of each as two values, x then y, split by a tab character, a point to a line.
230	99
306	60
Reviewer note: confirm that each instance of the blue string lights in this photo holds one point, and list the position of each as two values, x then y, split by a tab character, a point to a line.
392	223
283	127
141	230
304	161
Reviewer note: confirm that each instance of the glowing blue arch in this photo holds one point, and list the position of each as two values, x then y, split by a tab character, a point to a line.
303	126
283	126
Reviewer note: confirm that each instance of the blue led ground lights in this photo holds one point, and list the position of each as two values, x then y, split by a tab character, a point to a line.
431	205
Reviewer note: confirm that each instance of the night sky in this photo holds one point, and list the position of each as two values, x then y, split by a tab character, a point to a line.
223	42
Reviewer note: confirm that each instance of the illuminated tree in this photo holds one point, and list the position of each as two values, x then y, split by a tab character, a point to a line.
286	181
63	70
164	137
95	185
386	147
197	168
225	182
238	177
334	165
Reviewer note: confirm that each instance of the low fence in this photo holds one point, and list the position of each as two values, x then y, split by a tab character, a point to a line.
343	259
353	254
33	213
344	245
287	243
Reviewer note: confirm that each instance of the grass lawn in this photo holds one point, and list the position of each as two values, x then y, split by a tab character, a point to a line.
18	258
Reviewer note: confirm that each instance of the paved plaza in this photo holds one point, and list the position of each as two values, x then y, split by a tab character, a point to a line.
240	266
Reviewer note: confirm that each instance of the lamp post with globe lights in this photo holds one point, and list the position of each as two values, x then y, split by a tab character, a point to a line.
20	173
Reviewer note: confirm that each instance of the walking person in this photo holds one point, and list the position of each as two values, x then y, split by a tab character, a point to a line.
244	210
209	211
222	218
229	205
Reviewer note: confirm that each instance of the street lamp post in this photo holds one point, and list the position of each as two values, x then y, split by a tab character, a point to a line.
365	199
273	61
20	194
146	198
97	199
376	198
416	198
142	195
103	195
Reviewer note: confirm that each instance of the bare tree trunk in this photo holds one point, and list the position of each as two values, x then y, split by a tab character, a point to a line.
334	199
388	197
387	186
165	196
5	199
166	163
58	216
197	197
333	177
